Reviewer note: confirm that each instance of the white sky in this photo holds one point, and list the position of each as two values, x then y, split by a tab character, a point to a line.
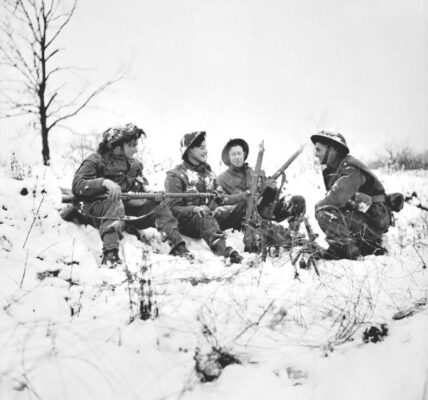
272	69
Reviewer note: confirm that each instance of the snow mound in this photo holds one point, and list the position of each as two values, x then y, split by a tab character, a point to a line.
165	327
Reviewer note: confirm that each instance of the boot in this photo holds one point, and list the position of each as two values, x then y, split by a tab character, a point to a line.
181	250
235	257
111	258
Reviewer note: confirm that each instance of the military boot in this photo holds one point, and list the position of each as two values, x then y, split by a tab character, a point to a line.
235	257
111	258
181	250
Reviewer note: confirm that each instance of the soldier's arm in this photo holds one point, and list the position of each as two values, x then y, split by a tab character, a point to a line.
173	184
85	181
224	182
137	181
344	189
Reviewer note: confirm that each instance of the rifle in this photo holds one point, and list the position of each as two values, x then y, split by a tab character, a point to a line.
253	198
157	196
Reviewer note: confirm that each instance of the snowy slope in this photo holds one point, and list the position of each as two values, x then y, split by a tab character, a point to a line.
72	330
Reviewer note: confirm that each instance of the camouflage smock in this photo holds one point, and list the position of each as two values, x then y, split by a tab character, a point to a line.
126	172
188	178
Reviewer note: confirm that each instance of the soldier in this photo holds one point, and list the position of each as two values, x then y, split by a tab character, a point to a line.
238	178
196	219
355	212
113	170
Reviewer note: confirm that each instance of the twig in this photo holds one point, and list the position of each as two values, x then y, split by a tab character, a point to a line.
34	220
255	323
424	266
25	270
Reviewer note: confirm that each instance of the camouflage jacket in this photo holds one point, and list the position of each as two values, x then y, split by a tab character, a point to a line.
237	180
188	178
347	178
126	172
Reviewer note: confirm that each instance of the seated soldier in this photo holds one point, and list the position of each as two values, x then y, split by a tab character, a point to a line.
238	178
113	170
354	213
195	218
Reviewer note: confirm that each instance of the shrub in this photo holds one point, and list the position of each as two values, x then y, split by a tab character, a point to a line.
403	159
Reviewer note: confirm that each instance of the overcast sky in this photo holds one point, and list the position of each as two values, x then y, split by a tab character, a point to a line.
273	69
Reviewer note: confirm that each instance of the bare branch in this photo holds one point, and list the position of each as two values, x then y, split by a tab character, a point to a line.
49	56
62	26
85	103
51	100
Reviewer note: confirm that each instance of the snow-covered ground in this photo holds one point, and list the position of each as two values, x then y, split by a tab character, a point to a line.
72	330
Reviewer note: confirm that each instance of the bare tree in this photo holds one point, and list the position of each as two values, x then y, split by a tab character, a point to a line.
29	48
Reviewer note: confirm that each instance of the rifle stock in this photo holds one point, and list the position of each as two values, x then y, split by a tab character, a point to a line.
132	196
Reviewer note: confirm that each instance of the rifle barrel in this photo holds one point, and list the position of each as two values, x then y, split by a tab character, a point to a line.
130	196
278	173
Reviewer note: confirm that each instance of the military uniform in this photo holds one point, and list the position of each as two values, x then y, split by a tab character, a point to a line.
239	179
224	212
188	178
354	213
108	215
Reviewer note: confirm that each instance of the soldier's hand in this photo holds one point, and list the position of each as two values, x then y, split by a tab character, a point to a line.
202	211
113	189
271	183
218	197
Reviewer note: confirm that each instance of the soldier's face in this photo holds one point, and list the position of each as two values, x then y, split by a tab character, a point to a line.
199	154
130	148
321	152
236	156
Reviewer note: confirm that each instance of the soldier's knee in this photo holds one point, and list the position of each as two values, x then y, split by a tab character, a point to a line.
323	218
299	204
115	208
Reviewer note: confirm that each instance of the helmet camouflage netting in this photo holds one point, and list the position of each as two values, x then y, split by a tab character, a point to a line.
121	134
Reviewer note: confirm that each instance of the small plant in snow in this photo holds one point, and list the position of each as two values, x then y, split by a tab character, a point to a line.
142	297
19	170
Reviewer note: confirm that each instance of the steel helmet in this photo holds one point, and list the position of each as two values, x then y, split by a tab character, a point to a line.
120	134
335	138
234	142
188	139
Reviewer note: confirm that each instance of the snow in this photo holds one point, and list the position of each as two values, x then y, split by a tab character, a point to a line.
70	329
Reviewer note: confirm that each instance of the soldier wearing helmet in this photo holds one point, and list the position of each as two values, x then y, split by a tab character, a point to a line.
238	178
197	218
354	213
113	170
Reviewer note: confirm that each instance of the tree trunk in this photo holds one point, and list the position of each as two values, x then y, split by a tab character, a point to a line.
45	147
